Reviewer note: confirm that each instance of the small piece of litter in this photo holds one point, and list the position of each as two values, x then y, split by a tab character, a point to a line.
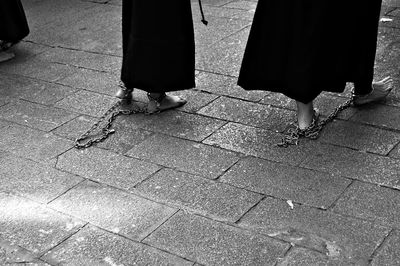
290	203
386	20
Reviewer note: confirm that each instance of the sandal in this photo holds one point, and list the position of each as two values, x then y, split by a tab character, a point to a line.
163	102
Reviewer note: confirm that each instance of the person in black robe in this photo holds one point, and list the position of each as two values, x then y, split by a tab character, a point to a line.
158	51
13	26
301	48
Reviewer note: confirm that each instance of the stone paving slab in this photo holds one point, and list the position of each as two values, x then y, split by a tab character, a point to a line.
379	115
225	56
31	226
212	243
199	194
246	5
35	115
13	255
222	12
259	143
91	80
88	103
224	85
74	128
111	209
33	180
286	182
304	257
360	137
357	165
32	90
106	167
182	125
249	113
389	253
378	204
346	239
93	246
395	153
184	155
32	144
82	59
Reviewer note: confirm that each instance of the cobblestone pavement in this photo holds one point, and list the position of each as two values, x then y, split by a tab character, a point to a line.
203	185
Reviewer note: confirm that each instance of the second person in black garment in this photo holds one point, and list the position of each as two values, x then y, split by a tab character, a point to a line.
301	48
158	51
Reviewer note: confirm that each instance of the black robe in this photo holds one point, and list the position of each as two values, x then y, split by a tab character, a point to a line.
13	24
158	45
303	47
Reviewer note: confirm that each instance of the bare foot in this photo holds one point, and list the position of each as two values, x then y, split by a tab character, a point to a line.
5	56
380	90
161	102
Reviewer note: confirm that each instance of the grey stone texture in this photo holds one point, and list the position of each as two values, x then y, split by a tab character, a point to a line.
362	166
342	238
114	210
106	167
213	243
389	253
199	194
93	246
188	156
202	185
371	202
300	185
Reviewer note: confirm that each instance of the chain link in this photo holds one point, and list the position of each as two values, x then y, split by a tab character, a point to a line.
106	130
312	132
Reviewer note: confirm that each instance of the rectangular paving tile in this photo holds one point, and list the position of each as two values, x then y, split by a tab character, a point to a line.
286	182
113	210
32	144
213	243
395	153
354	164
106	167
198	194
389	253
371	202
379	115
93	246
225	85
31	226
182	125
35	115
259	143
249	113
360	137
88	103
184	155
345	239
33	180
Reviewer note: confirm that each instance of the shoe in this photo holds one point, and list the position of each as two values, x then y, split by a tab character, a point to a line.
163	102
380	90
124	93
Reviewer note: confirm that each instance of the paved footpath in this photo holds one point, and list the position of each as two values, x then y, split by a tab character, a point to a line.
203	185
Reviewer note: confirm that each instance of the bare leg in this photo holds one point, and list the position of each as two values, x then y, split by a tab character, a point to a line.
305	114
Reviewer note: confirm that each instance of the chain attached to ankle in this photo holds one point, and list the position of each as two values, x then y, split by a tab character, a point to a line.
313	131
106	130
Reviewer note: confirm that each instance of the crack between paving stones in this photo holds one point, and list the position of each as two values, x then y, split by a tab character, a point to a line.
334	203
278	260
380	246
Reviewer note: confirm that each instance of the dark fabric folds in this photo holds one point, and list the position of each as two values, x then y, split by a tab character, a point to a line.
13	23
158	45
303	47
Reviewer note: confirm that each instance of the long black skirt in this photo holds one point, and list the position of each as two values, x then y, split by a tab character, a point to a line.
303	47
13	24
158	45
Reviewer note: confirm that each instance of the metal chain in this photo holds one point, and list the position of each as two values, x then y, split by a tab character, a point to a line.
312	132
105	130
